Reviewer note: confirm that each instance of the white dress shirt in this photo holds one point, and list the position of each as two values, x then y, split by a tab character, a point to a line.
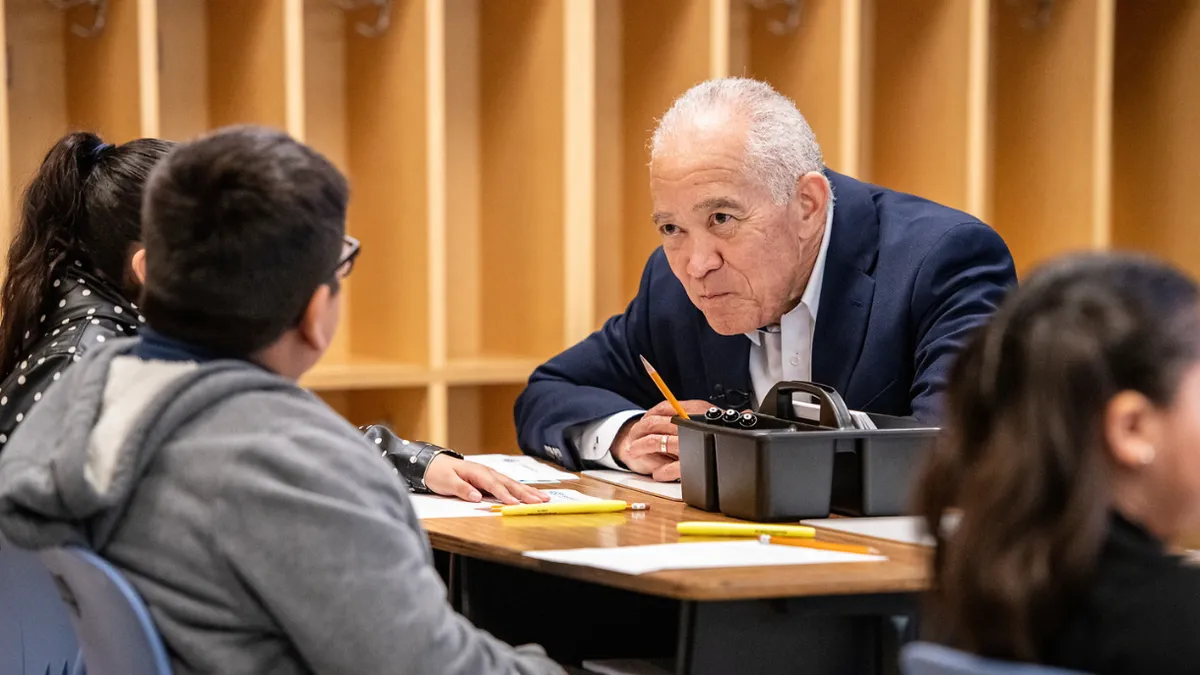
776	355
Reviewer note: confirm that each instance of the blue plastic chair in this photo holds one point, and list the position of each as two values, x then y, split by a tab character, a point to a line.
36	637
926	658
111	621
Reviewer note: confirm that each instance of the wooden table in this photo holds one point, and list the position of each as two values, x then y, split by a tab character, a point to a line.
802	618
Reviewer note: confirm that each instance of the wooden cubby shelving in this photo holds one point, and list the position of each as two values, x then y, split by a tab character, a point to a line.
497	149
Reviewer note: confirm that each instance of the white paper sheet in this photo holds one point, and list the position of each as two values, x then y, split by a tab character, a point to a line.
700	555
904	529
434	506
523	469
633	481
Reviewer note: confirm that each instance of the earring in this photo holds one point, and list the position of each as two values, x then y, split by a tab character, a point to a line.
1147	454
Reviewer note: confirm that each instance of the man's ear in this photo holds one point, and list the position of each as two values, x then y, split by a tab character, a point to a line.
812	198
138	263
315	326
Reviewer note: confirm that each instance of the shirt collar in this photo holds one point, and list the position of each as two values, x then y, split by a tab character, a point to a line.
154	346
812	292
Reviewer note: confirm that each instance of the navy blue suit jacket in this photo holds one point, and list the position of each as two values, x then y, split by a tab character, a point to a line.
906	281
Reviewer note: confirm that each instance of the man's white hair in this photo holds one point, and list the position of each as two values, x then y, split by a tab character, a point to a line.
780	146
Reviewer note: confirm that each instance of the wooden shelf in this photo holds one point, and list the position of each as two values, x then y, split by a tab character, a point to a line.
364	374
916	135
497	151
505	162
1156	134
1051	107
490	371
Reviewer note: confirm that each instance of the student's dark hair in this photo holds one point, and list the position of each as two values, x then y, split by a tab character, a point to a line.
241	228
83	205
1023	458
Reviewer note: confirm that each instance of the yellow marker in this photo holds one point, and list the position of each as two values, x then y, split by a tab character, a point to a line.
717	529
602	506
662	386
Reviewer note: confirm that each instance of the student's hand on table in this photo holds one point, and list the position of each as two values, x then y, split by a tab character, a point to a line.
454	477
650	445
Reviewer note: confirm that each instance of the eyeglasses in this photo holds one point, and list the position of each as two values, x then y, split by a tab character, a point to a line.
350	250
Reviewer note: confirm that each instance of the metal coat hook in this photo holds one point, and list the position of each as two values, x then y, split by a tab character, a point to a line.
382	19
98	19
788	25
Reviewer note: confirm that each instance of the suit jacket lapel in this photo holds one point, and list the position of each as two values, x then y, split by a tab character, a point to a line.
848	286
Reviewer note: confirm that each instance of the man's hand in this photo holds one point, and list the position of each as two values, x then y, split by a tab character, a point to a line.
456	477
651	445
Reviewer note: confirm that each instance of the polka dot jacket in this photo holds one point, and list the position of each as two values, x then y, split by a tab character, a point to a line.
80	313
409	459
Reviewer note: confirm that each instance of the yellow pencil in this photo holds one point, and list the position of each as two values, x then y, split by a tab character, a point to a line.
662	386
823	545
704	528
602	506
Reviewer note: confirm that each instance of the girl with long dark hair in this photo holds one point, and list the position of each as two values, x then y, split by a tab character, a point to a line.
72	277
1069	464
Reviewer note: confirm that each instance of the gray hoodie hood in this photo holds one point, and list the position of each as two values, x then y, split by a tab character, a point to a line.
263	531
68	471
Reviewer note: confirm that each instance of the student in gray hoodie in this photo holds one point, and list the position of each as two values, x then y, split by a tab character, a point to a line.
265	534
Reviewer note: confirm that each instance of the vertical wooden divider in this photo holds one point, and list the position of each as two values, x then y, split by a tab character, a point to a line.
978	112
719	16
579	159
7	216
293	68
148	67
437	394
850	144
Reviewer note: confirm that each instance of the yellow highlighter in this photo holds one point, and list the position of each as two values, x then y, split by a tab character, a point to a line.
703	528
602	506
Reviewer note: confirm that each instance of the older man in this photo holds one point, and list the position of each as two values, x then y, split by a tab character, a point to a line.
772	268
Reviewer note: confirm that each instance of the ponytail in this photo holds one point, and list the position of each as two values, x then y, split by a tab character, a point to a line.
82	206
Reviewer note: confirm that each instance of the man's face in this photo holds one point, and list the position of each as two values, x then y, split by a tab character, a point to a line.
744	260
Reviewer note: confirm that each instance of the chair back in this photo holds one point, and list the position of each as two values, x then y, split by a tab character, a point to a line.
36	637
111	621
926	658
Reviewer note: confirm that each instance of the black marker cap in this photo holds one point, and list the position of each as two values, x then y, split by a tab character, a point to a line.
714	414
748	420
731	416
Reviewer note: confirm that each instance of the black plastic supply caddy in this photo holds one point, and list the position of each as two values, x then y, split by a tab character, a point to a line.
787	468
